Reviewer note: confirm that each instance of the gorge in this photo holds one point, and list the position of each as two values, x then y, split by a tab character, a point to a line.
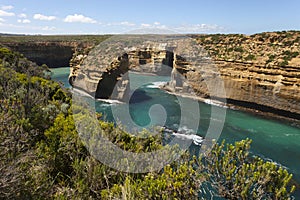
271	139
260	72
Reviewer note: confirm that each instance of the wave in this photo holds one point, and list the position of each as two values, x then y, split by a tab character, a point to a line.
251	130
157	84
185	130
110	101
85	94
215	103
81	93
292	135
184	133
197	140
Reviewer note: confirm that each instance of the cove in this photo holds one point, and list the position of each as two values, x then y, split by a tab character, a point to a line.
274	140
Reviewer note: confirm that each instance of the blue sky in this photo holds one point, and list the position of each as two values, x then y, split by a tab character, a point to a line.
119	16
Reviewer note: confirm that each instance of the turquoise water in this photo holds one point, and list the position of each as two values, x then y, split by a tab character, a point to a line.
61	75
272	139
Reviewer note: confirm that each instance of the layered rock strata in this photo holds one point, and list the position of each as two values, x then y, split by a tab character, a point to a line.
260	72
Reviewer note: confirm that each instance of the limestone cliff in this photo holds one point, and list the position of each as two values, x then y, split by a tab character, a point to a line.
52	53
260	71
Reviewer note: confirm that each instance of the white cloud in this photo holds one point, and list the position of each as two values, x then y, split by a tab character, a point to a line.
44	17
124	23
9	7
24	21
47	28
127	23
2	20
22	15
155	25
199	28
146	25
79	18
6	14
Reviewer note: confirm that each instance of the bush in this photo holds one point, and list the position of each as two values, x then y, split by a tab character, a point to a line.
240	176
250	57
284	63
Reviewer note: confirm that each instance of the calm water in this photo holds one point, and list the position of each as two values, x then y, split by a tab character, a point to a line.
61	75
274	140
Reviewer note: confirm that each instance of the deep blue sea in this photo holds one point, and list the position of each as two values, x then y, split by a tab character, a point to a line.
272	139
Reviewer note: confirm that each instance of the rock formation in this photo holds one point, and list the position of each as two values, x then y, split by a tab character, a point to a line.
260	71
52	53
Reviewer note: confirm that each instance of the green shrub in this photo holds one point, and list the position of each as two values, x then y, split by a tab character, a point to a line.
250	57
284	63
240	176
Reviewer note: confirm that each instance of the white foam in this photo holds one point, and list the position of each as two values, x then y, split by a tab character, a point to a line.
85	94
215	103
196	138
110	101
185	130
184	133
157	84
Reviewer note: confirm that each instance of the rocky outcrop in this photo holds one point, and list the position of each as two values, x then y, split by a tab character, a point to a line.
112	81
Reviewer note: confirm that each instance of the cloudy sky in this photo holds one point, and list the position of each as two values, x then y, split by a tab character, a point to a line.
120	16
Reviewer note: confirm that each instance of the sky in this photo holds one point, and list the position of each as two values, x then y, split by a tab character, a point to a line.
121	16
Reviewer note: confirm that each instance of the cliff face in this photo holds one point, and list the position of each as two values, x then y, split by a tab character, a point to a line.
112	82
53	54
260	71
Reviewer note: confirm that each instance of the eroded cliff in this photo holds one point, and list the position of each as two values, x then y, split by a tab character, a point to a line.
261	71
54	51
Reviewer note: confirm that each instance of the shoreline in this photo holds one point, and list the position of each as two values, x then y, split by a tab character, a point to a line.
264	114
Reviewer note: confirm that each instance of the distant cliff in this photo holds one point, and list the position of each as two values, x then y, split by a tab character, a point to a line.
54	51
53	54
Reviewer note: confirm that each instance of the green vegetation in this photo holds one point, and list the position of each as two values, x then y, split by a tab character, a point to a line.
239	49
288	55
271	58
239	177
250	57
233	47
52	38
284	63
43	157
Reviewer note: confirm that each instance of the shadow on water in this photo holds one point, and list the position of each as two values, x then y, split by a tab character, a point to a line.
139	96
